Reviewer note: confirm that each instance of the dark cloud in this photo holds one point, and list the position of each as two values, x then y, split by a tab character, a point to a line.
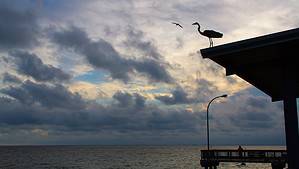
174	120
102	54
14	113
128	100
129	115
9	78
31	65
178	96
124	99
137	40
205	90
19	93
40	104
152	69
50	96
252	120
139	101
18	27
255	113
258	102
125	119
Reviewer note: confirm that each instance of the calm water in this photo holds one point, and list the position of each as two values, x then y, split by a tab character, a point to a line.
107	157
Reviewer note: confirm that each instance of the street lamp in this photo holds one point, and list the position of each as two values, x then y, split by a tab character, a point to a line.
208	132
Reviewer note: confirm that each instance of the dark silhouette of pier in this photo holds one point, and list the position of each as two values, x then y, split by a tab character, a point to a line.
212	158
271	64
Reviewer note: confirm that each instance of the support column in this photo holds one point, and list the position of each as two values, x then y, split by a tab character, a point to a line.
290	116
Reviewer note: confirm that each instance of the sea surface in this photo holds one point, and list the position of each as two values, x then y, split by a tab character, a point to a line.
108	157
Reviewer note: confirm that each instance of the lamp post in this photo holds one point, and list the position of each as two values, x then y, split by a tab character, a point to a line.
208	131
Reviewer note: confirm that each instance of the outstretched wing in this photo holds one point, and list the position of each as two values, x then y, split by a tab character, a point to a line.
177	24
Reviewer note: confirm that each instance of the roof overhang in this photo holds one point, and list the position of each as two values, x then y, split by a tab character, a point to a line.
260	61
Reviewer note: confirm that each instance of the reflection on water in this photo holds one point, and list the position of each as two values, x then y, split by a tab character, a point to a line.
107	157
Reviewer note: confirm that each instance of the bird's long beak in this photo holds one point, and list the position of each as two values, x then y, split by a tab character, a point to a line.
194	23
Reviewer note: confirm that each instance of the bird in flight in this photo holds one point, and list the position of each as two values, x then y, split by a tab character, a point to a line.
177	24
209	33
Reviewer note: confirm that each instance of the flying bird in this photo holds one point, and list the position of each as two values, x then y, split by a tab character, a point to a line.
209	33
177	24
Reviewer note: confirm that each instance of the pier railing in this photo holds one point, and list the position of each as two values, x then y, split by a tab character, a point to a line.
213	157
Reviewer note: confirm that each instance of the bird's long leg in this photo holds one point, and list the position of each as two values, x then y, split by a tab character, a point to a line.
211	43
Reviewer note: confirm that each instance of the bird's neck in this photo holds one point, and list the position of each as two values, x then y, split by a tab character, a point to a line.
199	30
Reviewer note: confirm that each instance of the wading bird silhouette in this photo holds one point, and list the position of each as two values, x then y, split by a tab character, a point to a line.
177	24
209	33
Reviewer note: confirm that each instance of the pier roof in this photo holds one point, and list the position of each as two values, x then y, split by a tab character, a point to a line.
261	60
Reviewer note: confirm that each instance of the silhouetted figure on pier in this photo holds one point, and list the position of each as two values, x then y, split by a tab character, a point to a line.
209	33
240	150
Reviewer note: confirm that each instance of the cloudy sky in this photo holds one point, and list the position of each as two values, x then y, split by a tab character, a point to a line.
118	72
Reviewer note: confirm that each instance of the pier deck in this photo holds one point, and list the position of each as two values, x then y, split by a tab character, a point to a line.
212	158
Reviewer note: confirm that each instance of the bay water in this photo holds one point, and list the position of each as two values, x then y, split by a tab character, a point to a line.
110	157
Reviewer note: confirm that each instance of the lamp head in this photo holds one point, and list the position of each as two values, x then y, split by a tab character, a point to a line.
225	95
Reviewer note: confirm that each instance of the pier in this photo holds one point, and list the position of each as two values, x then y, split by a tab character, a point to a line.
212	158
270	63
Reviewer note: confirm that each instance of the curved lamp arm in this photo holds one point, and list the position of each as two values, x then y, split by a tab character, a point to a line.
208	131
225	95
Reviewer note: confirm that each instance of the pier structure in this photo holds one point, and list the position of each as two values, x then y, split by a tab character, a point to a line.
271	64
212	158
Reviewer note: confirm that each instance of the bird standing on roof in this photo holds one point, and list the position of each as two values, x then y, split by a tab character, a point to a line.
177	24
209	33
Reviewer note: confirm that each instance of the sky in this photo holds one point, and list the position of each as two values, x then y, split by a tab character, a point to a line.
118	72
